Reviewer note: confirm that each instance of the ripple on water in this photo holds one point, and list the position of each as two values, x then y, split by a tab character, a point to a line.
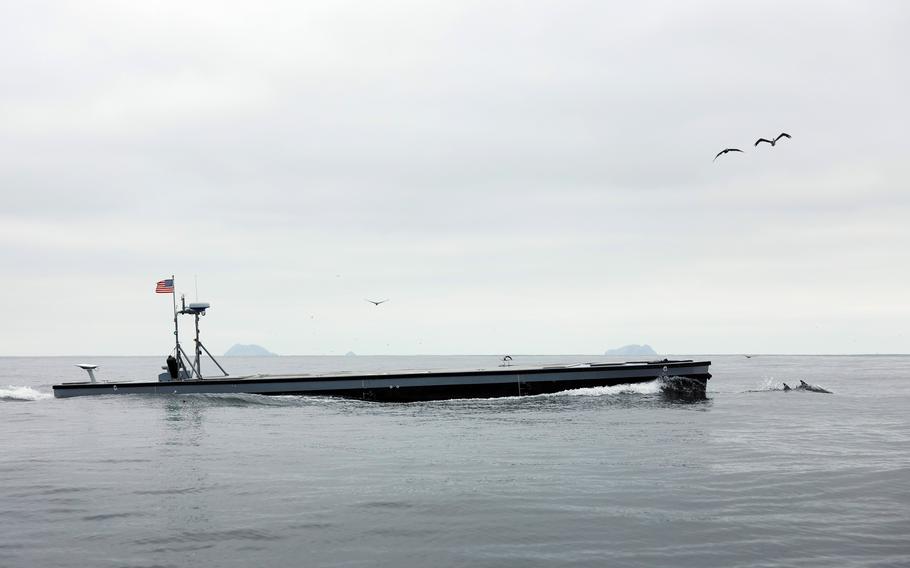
230	535
613	476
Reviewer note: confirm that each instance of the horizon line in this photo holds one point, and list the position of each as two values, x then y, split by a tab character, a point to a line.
753	355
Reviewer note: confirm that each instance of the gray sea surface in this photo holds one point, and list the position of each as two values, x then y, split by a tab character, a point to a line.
617	476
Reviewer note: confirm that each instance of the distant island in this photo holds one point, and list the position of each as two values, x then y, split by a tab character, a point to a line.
350	354
239	350
631	350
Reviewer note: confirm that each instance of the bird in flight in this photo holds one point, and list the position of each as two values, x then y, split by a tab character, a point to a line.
376	303
772	142
724	151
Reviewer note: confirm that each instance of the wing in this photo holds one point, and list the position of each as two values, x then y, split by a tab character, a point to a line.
725	150
782	135
757	142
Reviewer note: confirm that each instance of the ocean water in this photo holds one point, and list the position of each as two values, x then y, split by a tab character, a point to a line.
621	476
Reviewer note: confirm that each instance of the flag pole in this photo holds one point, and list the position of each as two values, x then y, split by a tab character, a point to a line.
176	329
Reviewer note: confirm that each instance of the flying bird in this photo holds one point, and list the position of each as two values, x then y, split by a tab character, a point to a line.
376	303
772	142
724	151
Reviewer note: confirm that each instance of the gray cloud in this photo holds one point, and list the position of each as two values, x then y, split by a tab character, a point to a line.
529	176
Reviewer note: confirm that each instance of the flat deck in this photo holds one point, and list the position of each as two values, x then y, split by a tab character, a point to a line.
413	385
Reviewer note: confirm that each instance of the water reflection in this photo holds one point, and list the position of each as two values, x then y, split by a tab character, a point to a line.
183	418
180	487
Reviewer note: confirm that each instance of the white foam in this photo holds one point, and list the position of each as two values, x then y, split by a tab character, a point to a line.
652	387
12	392
771	384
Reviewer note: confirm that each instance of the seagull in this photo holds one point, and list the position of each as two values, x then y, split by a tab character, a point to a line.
375	303
724	151
772	142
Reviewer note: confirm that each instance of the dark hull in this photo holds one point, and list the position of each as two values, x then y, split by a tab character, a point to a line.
691	378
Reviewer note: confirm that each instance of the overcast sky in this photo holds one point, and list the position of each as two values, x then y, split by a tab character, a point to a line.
516	177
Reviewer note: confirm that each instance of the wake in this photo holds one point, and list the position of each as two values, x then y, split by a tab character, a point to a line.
13	393
652	387
676	388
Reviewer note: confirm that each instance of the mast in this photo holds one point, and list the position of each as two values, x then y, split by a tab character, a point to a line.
163	286
195	309
176	327
182	357
198	347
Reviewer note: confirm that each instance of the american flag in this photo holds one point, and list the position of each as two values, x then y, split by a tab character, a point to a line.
165	286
